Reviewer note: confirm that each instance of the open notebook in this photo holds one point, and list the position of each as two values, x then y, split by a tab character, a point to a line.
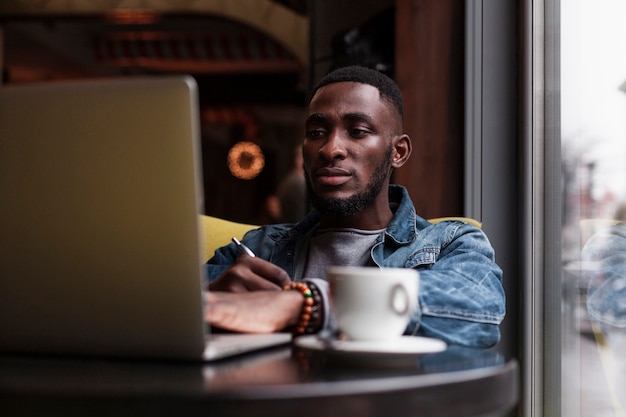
100	194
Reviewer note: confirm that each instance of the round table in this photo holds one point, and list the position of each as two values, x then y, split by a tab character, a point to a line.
283	381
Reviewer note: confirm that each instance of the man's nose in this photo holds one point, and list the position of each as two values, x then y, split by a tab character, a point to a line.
334	147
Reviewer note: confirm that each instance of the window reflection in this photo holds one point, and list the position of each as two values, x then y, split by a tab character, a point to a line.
593	123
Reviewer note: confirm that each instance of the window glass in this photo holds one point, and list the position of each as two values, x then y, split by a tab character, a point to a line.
593	144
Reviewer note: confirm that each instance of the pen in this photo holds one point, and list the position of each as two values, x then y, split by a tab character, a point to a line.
243	248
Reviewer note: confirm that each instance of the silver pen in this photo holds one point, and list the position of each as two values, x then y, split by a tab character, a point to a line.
243	248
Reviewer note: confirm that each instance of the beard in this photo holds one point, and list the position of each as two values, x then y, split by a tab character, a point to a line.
342	207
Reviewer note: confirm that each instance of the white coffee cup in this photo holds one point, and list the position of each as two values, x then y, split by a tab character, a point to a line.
372	303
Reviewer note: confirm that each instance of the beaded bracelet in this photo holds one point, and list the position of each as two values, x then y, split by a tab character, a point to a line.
317	316
309	319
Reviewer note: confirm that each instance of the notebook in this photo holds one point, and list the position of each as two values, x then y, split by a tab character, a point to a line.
100	242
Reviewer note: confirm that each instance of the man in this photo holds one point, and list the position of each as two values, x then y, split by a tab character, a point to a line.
353	141
605	252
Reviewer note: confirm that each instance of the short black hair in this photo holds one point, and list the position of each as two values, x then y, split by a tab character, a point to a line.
388	89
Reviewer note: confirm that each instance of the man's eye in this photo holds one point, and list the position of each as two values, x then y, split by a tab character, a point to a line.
358	133
315	133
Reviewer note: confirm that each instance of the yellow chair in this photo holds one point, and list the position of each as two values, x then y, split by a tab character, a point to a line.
469	220
589	227
218	232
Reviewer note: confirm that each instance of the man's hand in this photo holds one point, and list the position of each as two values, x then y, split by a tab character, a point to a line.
253	312
251	274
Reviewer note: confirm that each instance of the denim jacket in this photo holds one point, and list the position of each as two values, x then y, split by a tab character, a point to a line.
461	299
606	296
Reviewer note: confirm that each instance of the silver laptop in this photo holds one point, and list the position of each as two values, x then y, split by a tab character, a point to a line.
100	246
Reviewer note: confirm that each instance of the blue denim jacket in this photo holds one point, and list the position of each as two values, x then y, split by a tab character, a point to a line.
461	299
606	297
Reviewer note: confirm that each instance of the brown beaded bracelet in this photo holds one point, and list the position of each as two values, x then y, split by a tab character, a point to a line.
310	308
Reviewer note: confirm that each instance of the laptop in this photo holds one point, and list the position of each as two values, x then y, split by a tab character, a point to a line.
100	196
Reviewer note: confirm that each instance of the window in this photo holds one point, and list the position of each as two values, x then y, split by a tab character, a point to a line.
593	161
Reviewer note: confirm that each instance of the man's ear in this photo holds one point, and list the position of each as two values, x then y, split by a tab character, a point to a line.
401	150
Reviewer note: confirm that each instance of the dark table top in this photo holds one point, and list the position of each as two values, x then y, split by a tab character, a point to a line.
282	381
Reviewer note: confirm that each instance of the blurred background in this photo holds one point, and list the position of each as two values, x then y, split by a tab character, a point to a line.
249	58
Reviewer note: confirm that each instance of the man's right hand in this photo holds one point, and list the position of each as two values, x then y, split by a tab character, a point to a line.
253	312
251	274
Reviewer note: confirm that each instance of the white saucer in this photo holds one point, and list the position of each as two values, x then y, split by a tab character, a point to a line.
404	345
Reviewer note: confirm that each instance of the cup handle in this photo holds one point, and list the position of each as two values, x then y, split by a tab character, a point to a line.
399	299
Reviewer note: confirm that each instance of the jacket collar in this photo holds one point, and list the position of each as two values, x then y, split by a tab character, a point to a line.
402	228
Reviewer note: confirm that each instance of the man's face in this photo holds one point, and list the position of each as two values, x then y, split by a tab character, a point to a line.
347	147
